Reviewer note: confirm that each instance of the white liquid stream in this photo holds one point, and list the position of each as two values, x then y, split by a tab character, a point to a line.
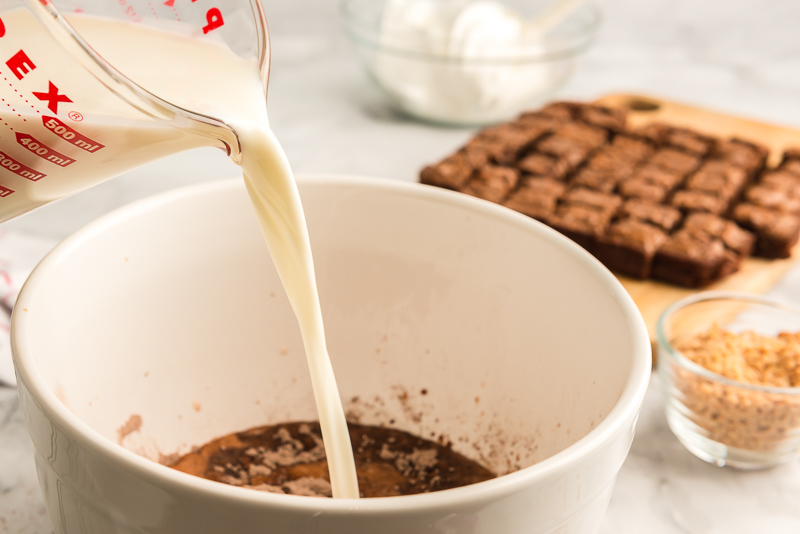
206	77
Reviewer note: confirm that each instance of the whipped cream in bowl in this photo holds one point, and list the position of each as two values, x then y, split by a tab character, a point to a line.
466	62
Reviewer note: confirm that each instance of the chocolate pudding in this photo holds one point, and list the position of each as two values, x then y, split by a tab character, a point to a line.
289	458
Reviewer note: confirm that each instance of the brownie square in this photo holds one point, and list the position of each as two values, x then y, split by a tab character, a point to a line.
637	149
565	149
727	177
451	173
654	174
665	217
612	159
643	189
507	140
561	110
654	132
539	164
536	197
776	232
604	181
492	182
589	137
689	259
492	149
629	246
688	201
675	160
613	119
689	141
733	237
774	199
580	223
608	204
780	180
716	183
744	154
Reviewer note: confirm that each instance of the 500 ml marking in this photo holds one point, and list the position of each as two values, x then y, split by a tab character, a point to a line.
69	135
43	151
9	163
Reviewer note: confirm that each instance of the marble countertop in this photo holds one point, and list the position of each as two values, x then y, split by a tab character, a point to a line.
730	55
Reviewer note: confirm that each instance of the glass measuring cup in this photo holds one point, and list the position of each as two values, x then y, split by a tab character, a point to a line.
75	111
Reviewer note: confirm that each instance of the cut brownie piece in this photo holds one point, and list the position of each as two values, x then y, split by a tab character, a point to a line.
613	160
675	160
781	180
689	141
689	258
580	223
536	197
733	237
749	156
629	247
689	201
655	132
543	165
613	119
643	189
665	217
776	232
561	110
451	173
637	149
583	135
654	174
567	150
599	180
492	182
718	177
773	198
608	204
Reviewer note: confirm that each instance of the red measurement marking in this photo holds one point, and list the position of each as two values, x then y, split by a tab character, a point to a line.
170	3
74	115
35	146
69	135
214	18
52	97
4	191
10	164
20	64
2	34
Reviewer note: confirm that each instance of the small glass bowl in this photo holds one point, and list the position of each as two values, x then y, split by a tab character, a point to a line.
720	420
468	91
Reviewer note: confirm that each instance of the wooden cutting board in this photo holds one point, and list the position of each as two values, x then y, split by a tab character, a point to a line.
756	275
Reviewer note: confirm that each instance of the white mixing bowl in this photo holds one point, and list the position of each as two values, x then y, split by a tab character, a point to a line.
169	313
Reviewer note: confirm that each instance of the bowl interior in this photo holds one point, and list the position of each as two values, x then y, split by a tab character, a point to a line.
446	316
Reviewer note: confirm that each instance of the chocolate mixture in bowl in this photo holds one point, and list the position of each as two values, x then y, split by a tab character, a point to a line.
289	458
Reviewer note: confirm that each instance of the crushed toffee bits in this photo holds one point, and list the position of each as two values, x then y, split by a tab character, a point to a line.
739	416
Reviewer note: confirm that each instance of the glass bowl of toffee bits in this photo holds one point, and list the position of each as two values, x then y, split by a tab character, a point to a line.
730	372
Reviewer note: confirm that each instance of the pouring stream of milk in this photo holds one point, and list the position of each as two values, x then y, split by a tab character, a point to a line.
228	88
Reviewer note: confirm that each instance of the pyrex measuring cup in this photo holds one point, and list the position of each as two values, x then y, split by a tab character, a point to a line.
71	117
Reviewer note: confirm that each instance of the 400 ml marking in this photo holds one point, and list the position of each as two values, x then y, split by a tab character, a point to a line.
69	135
43	151
10	164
